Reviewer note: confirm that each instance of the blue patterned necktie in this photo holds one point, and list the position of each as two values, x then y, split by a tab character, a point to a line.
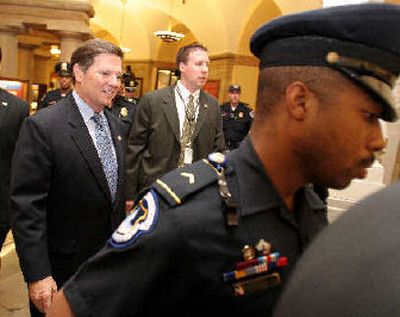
106	153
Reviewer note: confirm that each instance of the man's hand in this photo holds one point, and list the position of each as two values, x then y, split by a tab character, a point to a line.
41	293
128	206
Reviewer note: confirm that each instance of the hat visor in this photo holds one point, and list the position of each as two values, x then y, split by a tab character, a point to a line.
64	74
379	90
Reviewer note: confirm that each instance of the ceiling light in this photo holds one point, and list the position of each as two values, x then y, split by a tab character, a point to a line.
169	36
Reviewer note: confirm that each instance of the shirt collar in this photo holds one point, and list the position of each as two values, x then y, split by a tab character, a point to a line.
251	174
185	93
85	110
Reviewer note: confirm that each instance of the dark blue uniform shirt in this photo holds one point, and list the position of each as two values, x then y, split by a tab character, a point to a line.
51	98
174	261
236	123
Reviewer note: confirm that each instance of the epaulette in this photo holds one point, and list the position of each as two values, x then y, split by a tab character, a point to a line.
175	186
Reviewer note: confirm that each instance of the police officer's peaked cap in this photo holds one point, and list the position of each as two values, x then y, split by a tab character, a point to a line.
361	41
130	83
63	69
234	88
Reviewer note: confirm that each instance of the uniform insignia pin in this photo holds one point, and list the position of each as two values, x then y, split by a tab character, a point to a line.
248	252
189	176
124	111
264	247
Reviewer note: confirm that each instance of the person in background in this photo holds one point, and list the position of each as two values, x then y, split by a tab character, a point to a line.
237	118
221	237
123	106
13	111
174	126
64	78
67	181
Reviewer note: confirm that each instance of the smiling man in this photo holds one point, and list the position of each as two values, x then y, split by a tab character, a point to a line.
174	126
68	175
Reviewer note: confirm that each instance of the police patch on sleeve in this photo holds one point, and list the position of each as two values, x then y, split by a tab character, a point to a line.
140	221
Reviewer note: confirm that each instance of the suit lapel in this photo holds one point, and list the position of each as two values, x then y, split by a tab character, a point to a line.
170	112
203	109
84	142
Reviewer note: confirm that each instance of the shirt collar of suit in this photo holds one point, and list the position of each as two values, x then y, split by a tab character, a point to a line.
85	110
185	93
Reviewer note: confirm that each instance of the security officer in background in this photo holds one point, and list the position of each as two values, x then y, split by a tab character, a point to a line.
64	77
237	118
221	236
124	105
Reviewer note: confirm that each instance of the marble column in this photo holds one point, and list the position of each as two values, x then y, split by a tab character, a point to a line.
69	42
9	47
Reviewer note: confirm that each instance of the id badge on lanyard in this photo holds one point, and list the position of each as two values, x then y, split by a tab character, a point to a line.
188	156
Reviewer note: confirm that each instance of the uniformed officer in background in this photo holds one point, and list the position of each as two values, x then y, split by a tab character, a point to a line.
237	118
221	236
124	105
64	78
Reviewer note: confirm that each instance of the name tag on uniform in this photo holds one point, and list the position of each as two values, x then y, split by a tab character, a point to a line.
188	158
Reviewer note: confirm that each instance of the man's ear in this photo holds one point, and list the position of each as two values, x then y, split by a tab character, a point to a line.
298	99
78	72
181	66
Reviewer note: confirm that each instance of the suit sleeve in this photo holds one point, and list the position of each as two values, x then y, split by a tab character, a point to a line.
30	183
137	144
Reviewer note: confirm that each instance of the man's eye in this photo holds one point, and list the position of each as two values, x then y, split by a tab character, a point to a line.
371	116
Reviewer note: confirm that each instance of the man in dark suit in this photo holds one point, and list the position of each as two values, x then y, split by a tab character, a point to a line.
165	133
12	112
67	180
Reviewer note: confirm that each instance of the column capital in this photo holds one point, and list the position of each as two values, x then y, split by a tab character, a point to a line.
13	29
72	35
70	5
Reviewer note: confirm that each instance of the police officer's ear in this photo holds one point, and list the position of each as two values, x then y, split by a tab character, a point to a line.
300	100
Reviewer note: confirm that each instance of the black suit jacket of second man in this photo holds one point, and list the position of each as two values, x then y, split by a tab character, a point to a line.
154	141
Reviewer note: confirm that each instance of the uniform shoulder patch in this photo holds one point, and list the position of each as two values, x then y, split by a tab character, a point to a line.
142	220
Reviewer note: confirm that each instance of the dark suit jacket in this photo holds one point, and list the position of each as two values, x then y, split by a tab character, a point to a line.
61	206
154	140
12	112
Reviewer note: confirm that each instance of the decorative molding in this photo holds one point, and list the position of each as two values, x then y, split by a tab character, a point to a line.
236	59
70	5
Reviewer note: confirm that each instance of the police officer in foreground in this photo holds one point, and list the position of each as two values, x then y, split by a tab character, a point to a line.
124	105
64	78
353	267
222	235
237	118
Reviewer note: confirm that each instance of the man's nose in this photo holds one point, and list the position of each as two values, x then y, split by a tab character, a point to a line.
377	142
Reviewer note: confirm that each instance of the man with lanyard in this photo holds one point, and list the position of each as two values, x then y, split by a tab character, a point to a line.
174	126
